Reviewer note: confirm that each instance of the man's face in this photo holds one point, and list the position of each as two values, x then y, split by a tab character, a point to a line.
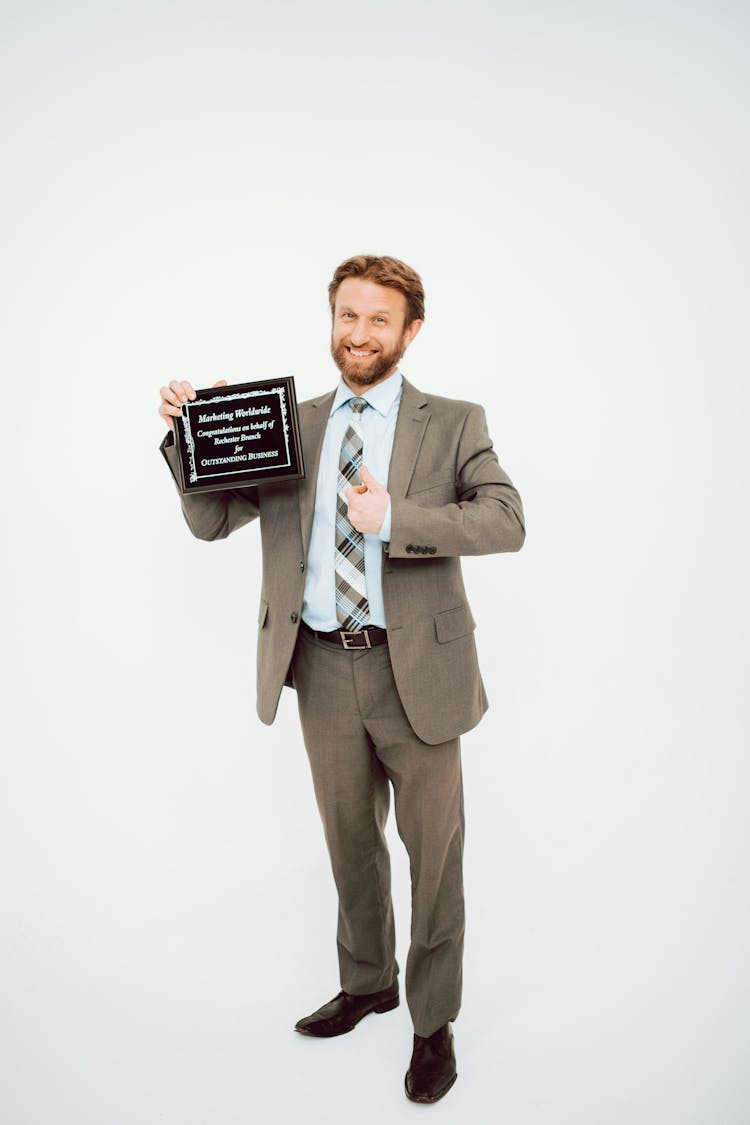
368	337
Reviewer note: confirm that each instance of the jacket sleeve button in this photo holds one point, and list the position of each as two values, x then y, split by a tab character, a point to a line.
433	550
409	548
294	618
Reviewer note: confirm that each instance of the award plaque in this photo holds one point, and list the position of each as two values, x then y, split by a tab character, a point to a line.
245	434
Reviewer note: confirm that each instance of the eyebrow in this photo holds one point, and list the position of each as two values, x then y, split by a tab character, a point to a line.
377	312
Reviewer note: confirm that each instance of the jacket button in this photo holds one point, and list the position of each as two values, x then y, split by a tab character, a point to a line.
294	618
433	550
302	566
409	548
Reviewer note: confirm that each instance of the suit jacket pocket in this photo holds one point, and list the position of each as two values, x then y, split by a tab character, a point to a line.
426	482
433	495
454	623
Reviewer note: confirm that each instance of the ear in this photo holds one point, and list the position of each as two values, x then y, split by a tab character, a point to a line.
411	332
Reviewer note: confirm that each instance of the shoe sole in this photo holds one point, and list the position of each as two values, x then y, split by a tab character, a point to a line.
425	1099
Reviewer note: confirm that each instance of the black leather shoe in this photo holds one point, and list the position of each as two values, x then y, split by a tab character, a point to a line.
345	1011
432	1070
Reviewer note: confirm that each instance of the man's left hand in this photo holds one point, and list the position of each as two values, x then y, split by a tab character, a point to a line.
368	502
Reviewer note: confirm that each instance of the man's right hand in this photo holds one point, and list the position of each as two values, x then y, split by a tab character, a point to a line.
173	396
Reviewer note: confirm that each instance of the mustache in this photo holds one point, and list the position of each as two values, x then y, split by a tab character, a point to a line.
380	363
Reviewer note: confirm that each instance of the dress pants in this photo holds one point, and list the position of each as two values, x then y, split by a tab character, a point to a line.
359	743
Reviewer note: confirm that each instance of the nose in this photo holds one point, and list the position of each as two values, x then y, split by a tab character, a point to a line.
359	334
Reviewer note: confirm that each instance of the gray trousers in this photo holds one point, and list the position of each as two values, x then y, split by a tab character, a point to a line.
359	743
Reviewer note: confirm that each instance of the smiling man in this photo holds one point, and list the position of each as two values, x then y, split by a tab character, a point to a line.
372	328
363	611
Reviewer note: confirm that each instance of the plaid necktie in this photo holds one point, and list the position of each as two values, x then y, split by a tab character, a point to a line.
352	609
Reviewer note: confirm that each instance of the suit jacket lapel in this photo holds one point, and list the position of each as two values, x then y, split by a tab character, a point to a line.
413	416
313	419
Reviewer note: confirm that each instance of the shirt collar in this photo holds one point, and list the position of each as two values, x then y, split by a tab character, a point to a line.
381	397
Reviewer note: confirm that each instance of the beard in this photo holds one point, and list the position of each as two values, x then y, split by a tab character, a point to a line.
365	372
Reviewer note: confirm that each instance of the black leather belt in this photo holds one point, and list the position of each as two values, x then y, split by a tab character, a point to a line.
368	637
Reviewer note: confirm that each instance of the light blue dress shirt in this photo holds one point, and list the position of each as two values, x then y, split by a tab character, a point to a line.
378	428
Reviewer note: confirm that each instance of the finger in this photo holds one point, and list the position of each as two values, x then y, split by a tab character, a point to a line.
165	410
171	400
182	390
167	407
368	479
170	396
220	383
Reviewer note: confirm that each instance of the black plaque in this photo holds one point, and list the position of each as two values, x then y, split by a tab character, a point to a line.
245	434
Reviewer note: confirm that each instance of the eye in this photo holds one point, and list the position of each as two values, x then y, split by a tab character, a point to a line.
380	320
346	314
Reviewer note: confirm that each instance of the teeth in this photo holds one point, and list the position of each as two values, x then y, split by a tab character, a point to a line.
359	354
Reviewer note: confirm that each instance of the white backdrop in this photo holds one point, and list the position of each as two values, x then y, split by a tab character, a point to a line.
571	180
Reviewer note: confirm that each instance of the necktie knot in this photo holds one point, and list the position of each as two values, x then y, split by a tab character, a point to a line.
358	405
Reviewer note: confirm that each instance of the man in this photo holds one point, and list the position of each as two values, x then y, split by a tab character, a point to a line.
363	611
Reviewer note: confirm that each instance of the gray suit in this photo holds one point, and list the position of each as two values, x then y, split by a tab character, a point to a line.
449	497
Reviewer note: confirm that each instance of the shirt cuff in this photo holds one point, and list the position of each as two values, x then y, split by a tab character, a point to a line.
385	529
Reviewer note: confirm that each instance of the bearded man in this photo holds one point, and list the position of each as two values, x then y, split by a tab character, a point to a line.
363	611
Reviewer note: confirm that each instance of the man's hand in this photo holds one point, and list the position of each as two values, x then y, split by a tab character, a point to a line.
174	395
368	502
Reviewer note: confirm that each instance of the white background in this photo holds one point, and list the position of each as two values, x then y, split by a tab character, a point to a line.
179	182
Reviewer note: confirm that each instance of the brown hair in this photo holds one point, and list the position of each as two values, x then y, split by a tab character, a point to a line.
383	271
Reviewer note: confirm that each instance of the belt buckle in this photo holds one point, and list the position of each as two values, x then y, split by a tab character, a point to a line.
347	635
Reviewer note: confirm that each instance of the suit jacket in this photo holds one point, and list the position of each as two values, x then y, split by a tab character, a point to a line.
449	497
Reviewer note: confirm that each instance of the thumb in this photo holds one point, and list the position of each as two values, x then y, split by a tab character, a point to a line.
368	479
